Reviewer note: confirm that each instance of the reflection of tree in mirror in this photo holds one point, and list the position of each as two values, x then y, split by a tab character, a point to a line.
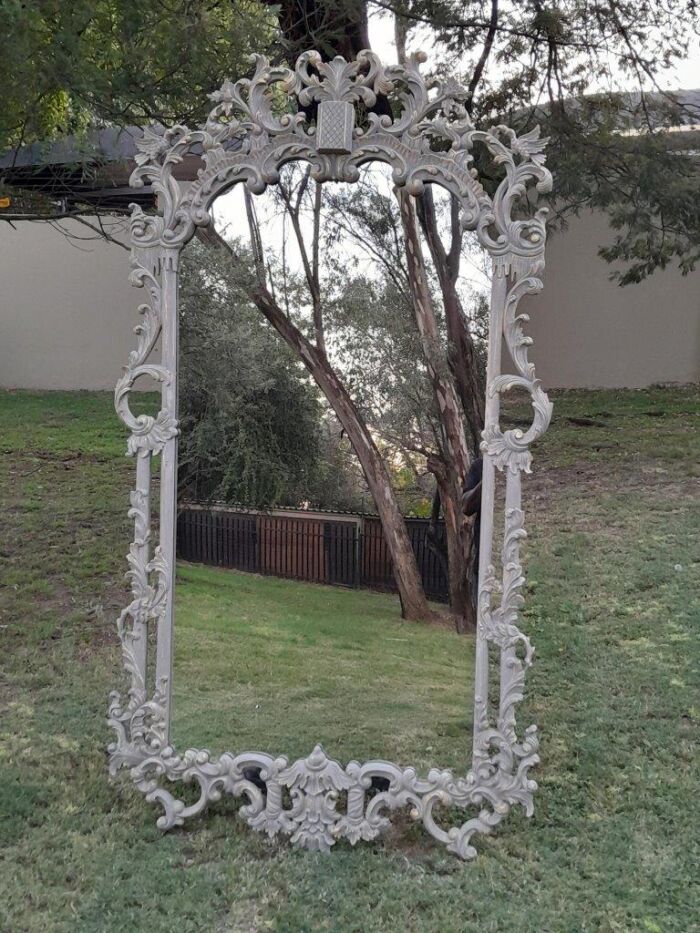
296	298
389	312
250	421
254	431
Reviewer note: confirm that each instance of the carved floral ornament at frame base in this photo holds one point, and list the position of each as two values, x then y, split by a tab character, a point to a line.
321	113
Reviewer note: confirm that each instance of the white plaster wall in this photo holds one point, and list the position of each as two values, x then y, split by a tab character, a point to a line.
588	332
67	310
67	314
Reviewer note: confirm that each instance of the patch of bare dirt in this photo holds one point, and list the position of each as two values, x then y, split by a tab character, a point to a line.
592	479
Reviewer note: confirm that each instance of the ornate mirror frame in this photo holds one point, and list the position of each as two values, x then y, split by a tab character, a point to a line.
316	800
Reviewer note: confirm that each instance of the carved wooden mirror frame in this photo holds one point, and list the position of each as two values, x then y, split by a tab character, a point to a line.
430	140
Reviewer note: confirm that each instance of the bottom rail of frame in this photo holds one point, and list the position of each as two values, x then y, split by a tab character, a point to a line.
315	801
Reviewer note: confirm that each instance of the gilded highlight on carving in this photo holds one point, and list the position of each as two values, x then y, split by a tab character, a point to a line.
316	801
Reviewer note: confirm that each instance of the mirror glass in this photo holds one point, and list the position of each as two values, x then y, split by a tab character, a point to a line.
288	624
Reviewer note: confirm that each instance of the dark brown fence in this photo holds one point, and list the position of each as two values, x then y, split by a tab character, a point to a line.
342	552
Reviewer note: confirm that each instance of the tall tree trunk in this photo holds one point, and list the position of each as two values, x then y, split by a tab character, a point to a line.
462	356
458	537
338	28
413	601
456	378
451	470
414	605
436	545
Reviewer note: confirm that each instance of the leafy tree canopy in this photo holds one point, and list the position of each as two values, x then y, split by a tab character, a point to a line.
593	75
251	420
66	65
561	63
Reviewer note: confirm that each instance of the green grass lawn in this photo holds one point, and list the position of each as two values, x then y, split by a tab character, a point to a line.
614	576
274	665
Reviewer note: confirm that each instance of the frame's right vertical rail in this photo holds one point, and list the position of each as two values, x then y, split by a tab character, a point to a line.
141	512
500	601
511	571
168	480
499	287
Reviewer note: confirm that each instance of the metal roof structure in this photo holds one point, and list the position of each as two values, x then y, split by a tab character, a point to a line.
94	169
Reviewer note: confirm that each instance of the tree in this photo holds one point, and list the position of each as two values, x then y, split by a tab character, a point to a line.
590	74
251	421
306	335
385	340
332	27
70	67
395	329
527	63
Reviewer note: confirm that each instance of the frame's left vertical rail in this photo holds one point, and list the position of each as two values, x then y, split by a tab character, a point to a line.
168	478
140	722
141	513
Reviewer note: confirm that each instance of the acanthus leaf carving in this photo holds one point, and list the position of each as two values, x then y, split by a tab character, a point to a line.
149	433
315	784
255	126
245	138
511	449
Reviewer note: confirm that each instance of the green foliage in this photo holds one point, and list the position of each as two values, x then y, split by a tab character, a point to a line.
591	77
647	183
373	330
250	417
612	847
374	335
118	61
66	66
339	484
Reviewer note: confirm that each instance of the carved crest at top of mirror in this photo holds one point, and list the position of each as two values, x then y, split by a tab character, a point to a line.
336	116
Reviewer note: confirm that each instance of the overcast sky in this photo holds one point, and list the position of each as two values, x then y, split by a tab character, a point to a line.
381	33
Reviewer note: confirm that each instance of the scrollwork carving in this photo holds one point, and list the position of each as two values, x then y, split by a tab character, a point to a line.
511	449
148	432
321	112
313	819
430	139
496	746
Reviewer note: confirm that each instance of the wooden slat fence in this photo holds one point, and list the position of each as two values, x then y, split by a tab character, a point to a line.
341	552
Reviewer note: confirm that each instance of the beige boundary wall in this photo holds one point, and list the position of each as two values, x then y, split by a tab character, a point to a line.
589	332
67	313
67	310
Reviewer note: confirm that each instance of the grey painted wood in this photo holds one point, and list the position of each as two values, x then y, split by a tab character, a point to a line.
244	141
